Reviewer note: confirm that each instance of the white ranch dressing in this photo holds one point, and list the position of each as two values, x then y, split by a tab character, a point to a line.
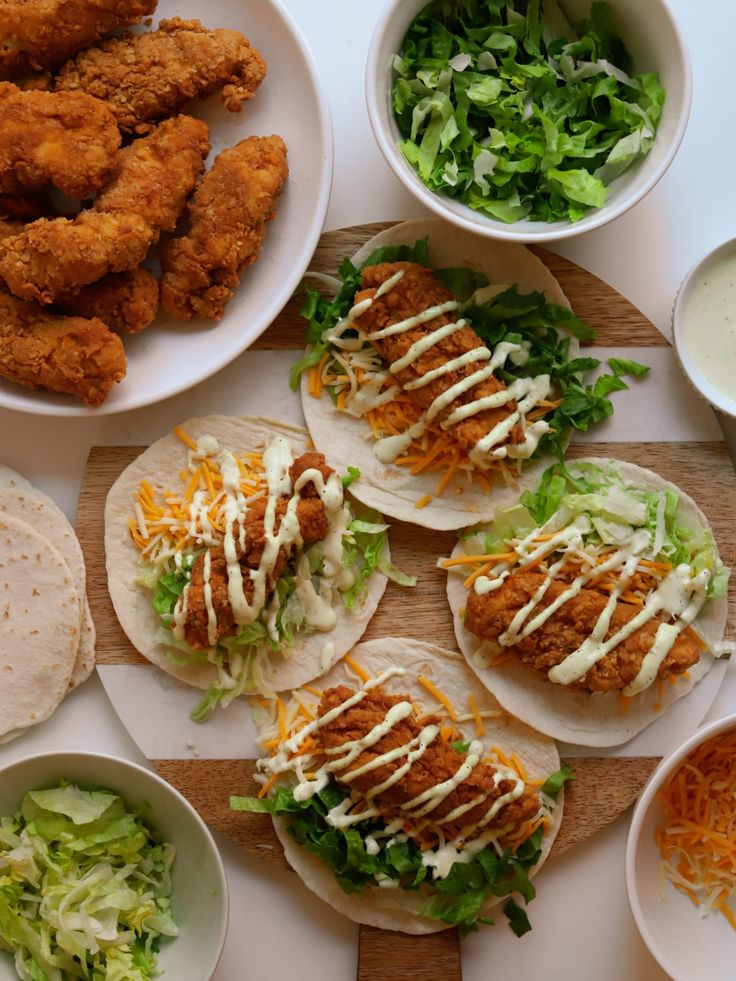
277	460
369	396
340	759
679	595
708	324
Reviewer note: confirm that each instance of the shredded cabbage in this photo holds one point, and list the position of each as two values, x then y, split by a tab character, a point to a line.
85	888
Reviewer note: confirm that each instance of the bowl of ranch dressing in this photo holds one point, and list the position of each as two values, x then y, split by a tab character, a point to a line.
704	327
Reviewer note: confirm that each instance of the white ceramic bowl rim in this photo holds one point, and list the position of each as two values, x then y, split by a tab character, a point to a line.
709	392
659	776
66	760
493	228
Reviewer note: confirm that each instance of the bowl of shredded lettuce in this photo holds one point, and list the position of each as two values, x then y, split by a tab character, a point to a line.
528	120
106	872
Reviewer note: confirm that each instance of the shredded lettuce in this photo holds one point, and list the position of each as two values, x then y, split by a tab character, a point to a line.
457	899
496	315
616	508
510	109
85	888
239	660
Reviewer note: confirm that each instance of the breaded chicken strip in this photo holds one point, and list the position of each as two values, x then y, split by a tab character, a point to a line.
146	77
38	34
150	183
313	525
126	301
417	291
439	762
67	139
61	354
10	227
229	213
489	615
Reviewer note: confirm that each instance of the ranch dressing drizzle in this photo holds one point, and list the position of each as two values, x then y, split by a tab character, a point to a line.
341	757
680	595
211	615
370	396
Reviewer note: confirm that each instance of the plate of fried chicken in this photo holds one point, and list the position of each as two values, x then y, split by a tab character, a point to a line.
163	183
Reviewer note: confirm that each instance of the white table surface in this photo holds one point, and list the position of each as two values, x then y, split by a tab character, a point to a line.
582	925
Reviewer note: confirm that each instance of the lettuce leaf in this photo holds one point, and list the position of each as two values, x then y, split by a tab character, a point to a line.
458	898
85	887
517	113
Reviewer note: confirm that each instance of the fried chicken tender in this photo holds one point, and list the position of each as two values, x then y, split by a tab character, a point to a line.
488	616
126	301
146	77
67	139
61	354
313	525
417	291
438	763
229	214
144	197
38	34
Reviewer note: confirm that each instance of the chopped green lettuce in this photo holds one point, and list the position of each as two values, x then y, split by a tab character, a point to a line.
496	315
238	660
85	888
616	508
510	109
457	899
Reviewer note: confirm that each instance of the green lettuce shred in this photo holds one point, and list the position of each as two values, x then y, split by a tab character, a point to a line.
522	318
507	107
457	899
85	888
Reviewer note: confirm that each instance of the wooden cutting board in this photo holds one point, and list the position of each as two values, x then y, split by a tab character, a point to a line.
605	786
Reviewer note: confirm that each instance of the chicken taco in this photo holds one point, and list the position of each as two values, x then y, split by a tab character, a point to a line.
404	796
235	560
444	367
593	604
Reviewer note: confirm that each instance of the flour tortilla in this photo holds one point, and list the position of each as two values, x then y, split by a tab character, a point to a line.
160	465
11	478
343	439
396	909
577	716
40	511
39	626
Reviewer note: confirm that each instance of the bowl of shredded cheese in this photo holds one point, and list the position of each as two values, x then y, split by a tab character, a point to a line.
681	858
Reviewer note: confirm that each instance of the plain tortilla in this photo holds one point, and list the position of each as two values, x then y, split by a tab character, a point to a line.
160	465
396	909
39	626
343	439
11	478
576	716
39	511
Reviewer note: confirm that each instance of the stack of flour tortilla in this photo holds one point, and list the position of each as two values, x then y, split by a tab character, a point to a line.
47	637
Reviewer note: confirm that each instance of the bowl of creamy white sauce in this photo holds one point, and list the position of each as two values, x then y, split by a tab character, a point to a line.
704	327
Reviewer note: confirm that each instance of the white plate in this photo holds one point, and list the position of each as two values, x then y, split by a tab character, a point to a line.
173	355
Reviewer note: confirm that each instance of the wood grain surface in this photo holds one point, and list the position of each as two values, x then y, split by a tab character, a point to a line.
604	787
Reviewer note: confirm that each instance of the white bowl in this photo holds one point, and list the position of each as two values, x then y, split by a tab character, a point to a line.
656	44
199	887
687	946
718	399
172	355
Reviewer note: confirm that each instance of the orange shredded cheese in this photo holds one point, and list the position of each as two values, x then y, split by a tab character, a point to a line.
698	840
439	695
480	729
354	666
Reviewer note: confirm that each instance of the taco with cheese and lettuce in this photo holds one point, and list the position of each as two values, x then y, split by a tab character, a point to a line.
446	366
403	794
236	561
593	604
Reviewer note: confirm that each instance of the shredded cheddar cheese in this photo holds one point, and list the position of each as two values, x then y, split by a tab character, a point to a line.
698	840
